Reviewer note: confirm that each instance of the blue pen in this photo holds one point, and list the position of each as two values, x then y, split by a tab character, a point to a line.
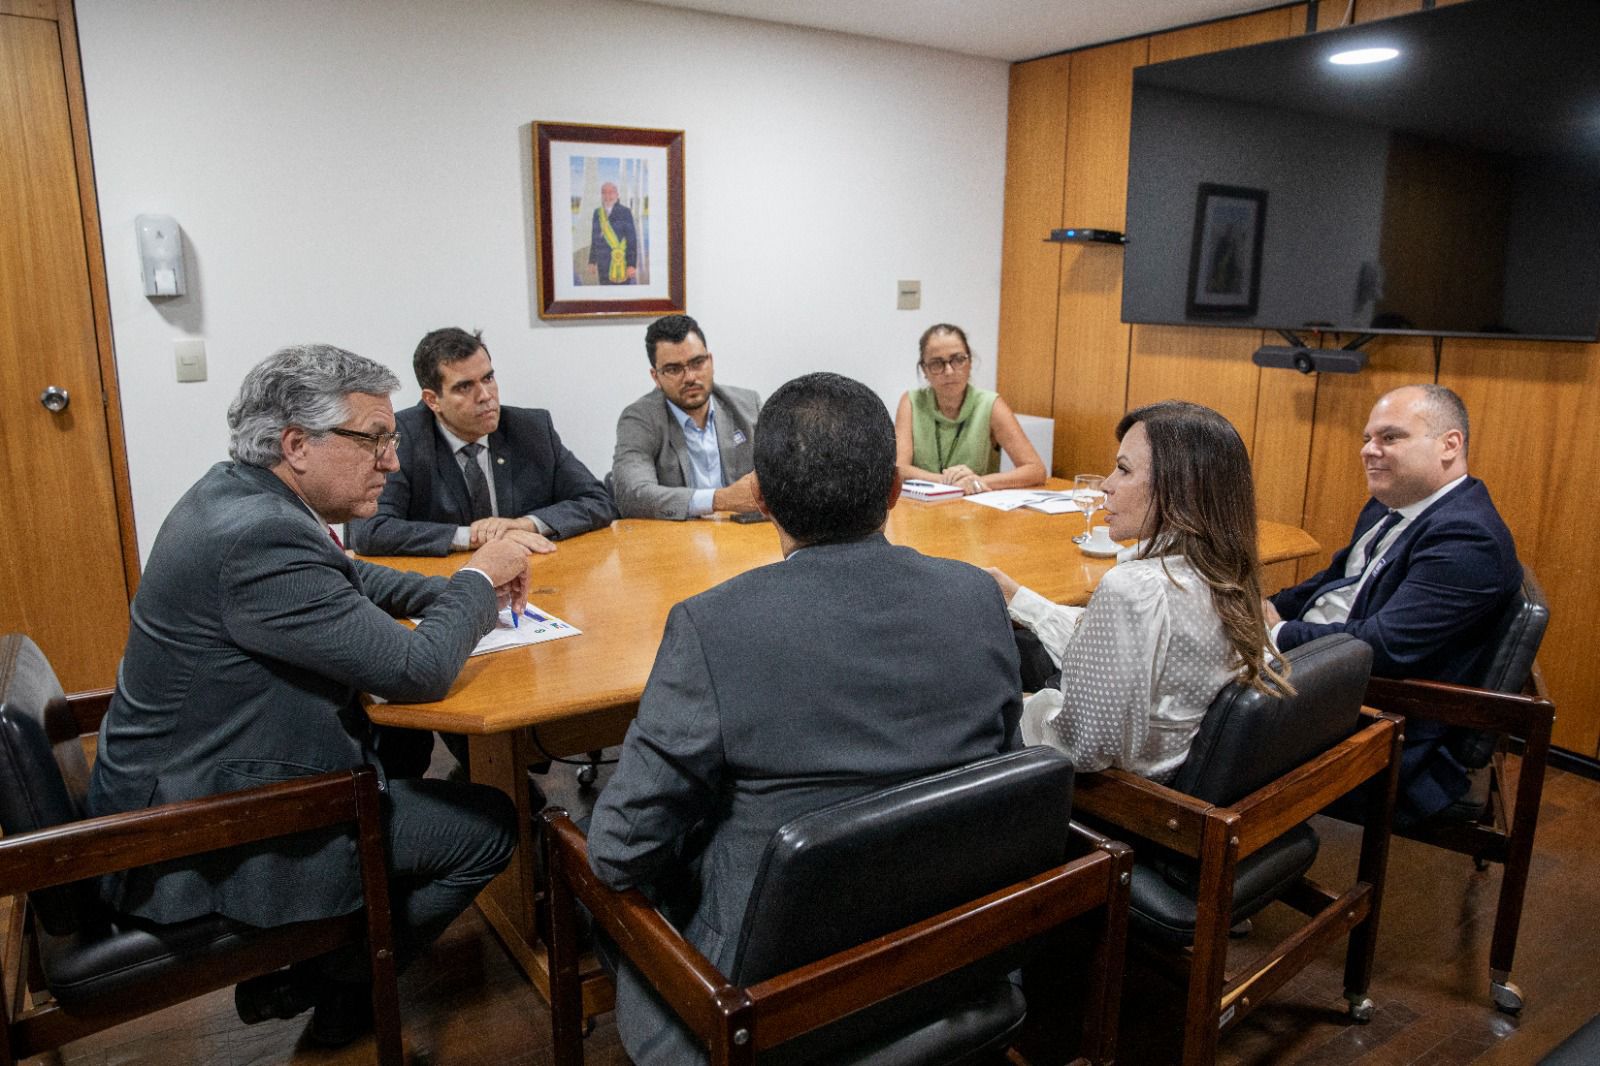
514	624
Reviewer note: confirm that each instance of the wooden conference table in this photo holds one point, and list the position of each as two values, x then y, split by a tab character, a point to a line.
616	585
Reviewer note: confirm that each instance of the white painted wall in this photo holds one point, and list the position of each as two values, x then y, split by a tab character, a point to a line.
359	173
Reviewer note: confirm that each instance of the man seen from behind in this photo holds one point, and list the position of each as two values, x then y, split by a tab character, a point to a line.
851	665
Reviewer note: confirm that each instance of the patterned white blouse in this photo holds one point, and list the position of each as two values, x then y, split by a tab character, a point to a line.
1139	667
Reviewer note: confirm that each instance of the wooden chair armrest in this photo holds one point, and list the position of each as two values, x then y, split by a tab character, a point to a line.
1280	805
1536	686
1461	705
1142	807
96	846
685	978
89	707
849	980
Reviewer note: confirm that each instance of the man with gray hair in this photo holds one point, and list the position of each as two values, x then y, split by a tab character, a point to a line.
1425	578
252	636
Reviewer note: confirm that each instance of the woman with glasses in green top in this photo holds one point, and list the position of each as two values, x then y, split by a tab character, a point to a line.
953	433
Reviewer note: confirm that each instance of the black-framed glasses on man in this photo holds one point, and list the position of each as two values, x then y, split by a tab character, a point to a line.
939	366
675	370
381	442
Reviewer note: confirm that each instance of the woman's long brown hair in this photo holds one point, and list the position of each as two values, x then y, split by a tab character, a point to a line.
1203	507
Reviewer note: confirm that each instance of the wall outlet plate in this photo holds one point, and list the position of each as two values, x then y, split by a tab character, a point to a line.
190	357
909	296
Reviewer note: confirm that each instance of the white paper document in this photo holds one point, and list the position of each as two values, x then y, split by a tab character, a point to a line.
533	627
1043	501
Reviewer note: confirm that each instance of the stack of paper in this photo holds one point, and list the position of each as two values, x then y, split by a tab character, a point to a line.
917	489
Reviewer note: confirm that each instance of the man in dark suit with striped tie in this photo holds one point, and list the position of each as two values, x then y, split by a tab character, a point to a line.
472	471
1429	571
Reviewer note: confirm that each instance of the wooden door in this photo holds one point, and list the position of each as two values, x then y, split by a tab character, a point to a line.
64	581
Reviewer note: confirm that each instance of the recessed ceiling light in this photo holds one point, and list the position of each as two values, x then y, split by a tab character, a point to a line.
1363	55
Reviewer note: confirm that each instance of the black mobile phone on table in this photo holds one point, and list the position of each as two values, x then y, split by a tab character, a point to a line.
747	517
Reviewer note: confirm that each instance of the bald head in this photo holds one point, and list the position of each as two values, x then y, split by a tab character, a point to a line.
1415	443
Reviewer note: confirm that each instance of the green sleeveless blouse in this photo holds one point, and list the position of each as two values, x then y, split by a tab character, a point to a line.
938	443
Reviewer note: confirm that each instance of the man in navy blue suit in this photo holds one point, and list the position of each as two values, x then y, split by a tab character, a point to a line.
472	471
1430	570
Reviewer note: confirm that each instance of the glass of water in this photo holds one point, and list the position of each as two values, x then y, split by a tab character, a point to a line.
1089	496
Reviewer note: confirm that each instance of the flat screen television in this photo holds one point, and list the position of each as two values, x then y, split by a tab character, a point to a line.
1451	190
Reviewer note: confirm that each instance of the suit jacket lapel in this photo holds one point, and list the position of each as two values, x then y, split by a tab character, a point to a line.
680	446
505	496
452	485
727	429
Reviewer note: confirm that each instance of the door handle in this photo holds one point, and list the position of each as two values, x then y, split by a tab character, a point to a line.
55	399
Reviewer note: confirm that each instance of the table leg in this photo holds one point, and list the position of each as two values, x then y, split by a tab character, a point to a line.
511	902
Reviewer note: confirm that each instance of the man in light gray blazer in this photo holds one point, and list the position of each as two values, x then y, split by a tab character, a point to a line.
851	665
685	448
253	634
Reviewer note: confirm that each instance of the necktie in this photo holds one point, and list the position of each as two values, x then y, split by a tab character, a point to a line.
1372	547
336	539
477	484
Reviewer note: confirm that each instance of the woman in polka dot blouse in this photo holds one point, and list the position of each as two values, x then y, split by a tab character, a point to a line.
1175	620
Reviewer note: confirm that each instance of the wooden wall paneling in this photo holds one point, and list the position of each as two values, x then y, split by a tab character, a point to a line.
1091	378
1229	33
1281	455
1336	487
1372	10
1209	366
1030	267
1531	406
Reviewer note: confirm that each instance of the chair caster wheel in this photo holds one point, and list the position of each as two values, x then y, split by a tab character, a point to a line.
1507	997
1241	929
1480	865
587	774
1360	1009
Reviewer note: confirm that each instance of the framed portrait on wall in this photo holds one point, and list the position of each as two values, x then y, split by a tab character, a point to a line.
608	205
1225	258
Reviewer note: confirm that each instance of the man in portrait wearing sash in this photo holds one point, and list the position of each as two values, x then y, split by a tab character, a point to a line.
613	242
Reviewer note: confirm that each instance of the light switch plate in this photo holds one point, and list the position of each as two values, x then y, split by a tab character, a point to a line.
909	296
191	360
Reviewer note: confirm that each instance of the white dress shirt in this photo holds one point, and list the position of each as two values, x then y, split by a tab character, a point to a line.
1139	667
463	535
1334	605
705	457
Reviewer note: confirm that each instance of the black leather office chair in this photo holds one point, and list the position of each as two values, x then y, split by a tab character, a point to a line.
864	907
1230	835
99	968
1493	822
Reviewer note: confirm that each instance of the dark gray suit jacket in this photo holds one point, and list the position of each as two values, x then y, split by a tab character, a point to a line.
651	469
426	500
251	636
841	670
